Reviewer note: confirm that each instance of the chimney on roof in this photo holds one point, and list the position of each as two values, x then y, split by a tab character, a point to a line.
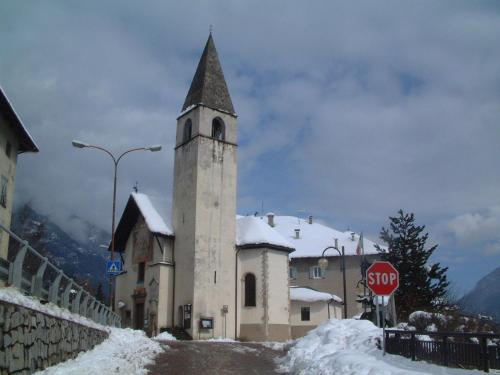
270	219
352	236
297	233
310	219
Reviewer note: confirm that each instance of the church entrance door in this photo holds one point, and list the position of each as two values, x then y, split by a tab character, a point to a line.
139	316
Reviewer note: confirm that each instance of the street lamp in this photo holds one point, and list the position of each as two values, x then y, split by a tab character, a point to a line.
323	264
79	144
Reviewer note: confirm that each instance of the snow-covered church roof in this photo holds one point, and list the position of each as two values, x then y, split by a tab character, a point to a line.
155	213
252	230
304	294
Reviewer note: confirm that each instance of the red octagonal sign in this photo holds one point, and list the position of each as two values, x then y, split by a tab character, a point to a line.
382	278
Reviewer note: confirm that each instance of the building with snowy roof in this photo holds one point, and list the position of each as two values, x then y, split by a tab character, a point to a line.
14	140
201	269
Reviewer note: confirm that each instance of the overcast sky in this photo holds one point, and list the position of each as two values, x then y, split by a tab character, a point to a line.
348	111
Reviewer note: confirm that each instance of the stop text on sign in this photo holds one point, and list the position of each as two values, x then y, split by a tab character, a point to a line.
383	278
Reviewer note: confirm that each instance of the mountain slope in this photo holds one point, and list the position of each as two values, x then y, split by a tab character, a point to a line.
485	297
78	254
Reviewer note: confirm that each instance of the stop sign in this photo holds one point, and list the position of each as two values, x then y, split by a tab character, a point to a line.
382	278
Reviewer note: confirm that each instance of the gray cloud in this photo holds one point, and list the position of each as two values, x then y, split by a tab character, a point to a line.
347	111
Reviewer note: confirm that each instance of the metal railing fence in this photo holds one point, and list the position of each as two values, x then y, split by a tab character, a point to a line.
462	350
46	282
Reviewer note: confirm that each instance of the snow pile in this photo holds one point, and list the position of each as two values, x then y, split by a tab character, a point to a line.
13	295
165	336
252	230
311	295
349	347
154	212
126	351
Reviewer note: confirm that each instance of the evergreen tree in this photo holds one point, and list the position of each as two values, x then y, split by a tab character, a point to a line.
421	286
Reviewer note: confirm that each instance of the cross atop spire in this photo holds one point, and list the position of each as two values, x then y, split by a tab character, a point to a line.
209	86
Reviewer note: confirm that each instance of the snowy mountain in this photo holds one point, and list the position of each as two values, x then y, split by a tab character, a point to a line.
76	250
485	297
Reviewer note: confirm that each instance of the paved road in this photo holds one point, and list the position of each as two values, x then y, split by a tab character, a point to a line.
202	357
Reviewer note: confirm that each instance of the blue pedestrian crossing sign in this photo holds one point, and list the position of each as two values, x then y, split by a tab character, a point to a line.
114	267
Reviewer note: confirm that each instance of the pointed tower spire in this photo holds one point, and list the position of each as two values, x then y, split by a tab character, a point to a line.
209	86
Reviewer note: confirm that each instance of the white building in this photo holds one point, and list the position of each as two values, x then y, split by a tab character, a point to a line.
203	269
14	140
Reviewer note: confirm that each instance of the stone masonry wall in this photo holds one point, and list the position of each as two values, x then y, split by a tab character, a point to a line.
31	340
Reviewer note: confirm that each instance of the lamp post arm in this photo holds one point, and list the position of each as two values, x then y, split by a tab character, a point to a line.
103	149
330	247
128	151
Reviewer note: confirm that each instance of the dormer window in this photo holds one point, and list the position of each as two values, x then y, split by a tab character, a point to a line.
218	129
188	128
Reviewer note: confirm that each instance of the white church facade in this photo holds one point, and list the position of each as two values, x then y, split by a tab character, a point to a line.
205	271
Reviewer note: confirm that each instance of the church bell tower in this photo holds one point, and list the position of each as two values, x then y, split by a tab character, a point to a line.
204	204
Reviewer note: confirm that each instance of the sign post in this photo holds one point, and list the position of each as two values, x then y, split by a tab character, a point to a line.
383	280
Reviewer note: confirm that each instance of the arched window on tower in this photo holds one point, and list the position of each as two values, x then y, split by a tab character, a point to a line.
218	129
250	297
188	127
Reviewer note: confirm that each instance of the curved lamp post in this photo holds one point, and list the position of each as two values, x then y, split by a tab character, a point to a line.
116	160
323	264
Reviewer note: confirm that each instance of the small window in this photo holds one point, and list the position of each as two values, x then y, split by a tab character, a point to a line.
293	272
8	149
218	129
305	314
188	128
250	299
315	272
140	272
3	191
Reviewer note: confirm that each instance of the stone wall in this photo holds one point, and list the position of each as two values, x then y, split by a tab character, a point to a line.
30	340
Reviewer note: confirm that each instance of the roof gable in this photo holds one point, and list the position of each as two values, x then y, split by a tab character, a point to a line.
151	210
26	142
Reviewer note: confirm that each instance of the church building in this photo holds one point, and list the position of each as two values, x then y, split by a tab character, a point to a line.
200	269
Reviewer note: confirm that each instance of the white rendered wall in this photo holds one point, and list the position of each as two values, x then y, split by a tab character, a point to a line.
204	221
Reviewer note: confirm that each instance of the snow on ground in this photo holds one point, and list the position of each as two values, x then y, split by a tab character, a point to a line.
13	295
219	339
165	336
348	347
126	351
277	345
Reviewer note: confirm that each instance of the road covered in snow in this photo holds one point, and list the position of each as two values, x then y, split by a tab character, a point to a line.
349	347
